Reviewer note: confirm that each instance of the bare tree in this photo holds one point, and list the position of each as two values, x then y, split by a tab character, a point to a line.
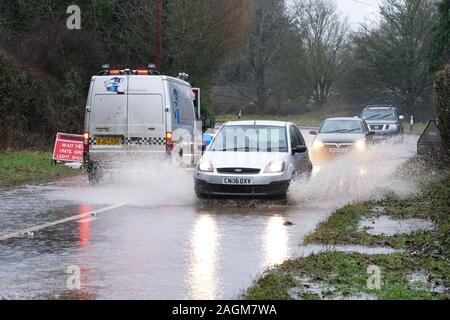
204	35
253	77
265	44
324	42
394	55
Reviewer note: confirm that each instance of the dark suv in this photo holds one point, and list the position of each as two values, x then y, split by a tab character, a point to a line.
384	120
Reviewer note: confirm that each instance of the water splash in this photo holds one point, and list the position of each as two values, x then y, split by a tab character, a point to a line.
358	177
149	183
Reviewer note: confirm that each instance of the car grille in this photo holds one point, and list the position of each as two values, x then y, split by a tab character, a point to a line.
238	170
341	147
377	127
249	189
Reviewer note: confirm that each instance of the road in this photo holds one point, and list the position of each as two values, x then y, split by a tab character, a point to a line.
144	235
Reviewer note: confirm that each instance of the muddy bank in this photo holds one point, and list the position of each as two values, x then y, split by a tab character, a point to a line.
393	248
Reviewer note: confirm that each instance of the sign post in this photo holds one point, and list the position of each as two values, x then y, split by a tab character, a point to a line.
68	147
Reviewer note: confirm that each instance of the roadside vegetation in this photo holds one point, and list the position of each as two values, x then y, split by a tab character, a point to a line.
259	56
30	167
307	120
418	270
303	120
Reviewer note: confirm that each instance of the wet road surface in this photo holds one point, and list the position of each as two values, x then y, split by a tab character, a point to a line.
162	243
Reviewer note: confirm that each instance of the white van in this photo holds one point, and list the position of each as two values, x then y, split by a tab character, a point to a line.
132	115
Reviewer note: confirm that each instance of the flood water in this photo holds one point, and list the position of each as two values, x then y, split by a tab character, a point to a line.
160	242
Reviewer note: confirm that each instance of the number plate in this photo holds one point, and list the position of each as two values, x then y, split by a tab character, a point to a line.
338	150
109	140
238	181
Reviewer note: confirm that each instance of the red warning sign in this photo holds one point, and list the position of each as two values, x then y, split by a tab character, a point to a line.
68	147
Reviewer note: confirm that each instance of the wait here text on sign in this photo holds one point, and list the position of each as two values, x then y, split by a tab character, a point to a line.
68	147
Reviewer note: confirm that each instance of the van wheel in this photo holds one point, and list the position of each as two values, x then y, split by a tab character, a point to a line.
93	174
93	178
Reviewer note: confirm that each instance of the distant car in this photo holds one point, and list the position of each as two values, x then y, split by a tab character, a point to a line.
337	136
252	158
207	137
384	120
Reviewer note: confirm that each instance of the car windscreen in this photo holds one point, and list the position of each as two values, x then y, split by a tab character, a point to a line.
250	138
342	126
378	114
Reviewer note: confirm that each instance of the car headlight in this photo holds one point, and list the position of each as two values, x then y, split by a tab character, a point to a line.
317	144
275	166
205	166
360	144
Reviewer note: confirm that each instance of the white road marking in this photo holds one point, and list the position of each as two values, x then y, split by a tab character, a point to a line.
54	223
87	220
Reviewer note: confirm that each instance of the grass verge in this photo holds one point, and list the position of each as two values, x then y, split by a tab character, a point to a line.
337	275
303	120
30	166
433	203
307	120
420	271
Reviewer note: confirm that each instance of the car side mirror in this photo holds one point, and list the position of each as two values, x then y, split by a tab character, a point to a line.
299	149
313	132
401	117
207	123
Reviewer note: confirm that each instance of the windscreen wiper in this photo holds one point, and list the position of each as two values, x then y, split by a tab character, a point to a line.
353	130
375	115
337	131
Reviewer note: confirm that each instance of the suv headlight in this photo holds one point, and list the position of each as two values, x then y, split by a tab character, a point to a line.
205	166
275	166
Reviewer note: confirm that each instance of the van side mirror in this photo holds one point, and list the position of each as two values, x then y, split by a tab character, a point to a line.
299	149
313	132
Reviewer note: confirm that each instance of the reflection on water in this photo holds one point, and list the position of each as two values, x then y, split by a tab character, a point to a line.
84	226
203	278
275	241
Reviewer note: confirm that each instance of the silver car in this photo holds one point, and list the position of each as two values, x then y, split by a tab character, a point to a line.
337	136
252	158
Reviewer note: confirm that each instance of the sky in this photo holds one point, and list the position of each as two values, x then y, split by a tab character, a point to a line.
358	10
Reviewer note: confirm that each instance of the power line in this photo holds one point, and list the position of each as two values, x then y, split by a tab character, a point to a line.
365	3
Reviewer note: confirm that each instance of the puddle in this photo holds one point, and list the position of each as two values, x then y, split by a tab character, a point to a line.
304	251
324	292
420	280
311	287
387	226
358	296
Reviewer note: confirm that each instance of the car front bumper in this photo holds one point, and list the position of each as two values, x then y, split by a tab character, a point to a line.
386	133
263	184
271	189
324	154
